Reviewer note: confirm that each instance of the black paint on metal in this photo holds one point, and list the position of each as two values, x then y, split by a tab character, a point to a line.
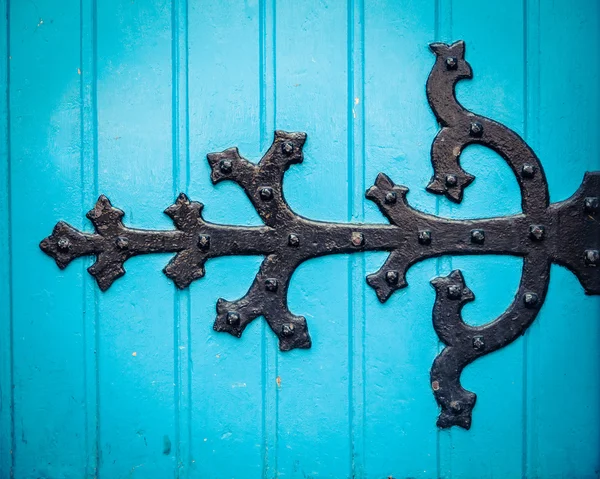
566	233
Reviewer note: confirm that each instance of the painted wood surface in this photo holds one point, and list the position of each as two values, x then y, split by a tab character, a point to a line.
126	97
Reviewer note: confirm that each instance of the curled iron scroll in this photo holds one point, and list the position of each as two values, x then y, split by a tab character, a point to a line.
566	233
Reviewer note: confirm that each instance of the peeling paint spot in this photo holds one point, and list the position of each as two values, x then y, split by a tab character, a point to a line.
278	381
166	445
134	354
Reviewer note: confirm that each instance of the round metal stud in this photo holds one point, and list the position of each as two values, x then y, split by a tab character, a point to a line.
425	237
122	242
476	129
293	240
478	343
451	63
271	284
233	318
391	277
390	198
592	205
454	291
537	232
528	170
530	300
451	180
64	244
477	236
203	242
266	193
287	330
592	257
226	166
358	239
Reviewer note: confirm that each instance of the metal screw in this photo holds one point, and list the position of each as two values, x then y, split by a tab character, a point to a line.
451	63
225	166
592	257
266	193
391	277
64	244
204	242
454	291
391	197
478	343
592	204
477	236
528	170
287	148
425	237
530	299
476	129
536	232
451	180
293	240
455	406
287	330
122	242
271	284
233	318
358	239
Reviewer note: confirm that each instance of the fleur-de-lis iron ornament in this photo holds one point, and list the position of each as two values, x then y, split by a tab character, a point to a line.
566	233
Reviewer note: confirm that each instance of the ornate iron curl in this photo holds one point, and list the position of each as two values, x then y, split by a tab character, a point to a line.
566	233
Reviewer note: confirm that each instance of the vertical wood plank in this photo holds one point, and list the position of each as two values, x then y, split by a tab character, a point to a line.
494	37
227	382
400	342
356	213
89	192
45	139
564	373
6	317
312	96
136	350
181	175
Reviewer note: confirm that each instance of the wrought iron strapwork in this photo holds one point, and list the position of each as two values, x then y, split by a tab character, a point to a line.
566	233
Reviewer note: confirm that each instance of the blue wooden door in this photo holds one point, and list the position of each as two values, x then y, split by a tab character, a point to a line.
126	97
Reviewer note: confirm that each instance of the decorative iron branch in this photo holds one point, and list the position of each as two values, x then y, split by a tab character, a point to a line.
566	233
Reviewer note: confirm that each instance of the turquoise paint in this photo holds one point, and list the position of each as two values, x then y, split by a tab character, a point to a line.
126	98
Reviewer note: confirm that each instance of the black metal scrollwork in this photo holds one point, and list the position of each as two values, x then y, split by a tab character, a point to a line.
566	233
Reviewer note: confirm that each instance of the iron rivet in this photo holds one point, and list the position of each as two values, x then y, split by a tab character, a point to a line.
537	232
451	63
287	148
455	406
451	180
233	318
391	277
530	299
454	291
225	166
204	242
271	284
528	170
592	257
391	197
64	244
293	240
266	193
287	330
477	236
478	343
358	239
476	129
122	242
425	237
435	385
591	204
